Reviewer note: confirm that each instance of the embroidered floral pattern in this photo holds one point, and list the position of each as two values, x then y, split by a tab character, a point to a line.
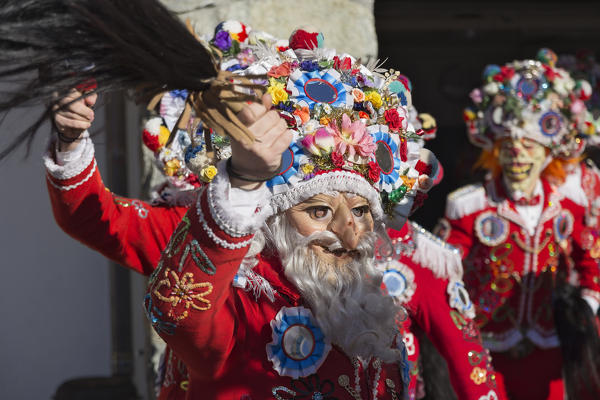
183	292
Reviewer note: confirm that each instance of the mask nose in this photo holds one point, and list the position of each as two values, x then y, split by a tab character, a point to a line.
344	227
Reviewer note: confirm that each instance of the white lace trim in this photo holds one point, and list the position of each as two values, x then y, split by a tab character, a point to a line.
431	252
465	201
72	168
212	235
330	182
75	185
224	213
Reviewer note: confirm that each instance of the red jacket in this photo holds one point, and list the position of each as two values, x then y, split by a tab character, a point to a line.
130	232
510	273
433	275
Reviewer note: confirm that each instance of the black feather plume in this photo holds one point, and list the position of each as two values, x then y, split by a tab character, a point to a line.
577	330
48	47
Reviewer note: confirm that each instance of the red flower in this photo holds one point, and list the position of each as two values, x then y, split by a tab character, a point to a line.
362	114
505	74
302	39
343	64
281	49
423	168
337	159
278	71
374	171
550	72
403	150
289	119
393	119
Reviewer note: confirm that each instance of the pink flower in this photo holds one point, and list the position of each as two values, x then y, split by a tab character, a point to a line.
353	138
476	96
319	143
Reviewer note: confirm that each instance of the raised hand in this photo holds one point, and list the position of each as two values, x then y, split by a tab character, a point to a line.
262	158
74	118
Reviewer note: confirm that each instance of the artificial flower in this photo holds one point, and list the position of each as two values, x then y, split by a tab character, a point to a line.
172	166
359	95
337	159
505	74
222	40
468	115
324	121
236	29
342	64
363	115
303	113
319	143
491	88
277	91
277	71
302	39
403	150
393	119
208	173
307	168
374	98
374	171
476	96
352	138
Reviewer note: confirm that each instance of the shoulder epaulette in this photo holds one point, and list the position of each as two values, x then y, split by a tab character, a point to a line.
466	200
436	255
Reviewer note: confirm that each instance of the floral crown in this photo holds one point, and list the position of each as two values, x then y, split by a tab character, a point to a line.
527	98
583	67
352	125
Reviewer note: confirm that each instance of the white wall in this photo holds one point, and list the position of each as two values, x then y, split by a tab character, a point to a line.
54	309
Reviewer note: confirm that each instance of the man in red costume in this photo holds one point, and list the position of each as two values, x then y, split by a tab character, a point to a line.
513	229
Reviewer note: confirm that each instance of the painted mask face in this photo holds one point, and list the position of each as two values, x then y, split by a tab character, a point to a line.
345	215
521	161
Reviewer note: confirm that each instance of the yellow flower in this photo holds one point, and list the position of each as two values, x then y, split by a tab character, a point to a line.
172	166
307	168
163	135
277	91
409	182
324	121
374	98
208	173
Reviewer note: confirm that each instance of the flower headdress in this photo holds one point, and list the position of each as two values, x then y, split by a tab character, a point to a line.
584	68
353	130
526	98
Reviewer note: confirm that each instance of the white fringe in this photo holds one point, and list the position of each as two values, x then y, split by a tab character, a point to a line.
431	252
465	201
72	168
250	281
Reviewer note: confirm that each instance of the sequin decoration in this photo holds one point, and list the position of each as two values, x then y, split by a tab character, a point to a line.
310	387
491	229
298	347
142	211
478	375
177	238
563	225
200	258
183	292
154	315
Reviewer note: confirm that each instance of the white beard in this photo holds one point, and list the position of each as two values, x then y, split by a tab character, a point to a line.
350	308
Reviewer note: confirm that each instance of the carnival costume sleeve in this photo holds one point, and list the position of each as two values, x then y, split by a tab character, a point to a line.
202	258
130	232
454	335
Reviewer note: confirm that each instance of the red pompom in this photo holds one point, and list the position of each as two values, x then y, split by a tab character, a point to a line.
304	40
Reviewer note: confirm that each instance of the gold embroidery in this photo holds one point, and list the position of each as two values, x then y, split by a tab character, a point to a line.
183	291
529	249
478	375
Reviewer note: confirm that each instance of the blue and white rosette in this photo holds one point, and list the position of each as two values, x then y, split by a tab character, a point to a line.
299	347
459	298
399	280
288	172
334	92
387	147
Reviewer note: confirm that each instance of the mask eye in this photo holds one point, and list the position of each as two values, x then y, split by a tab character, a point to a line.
361	211
318	212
